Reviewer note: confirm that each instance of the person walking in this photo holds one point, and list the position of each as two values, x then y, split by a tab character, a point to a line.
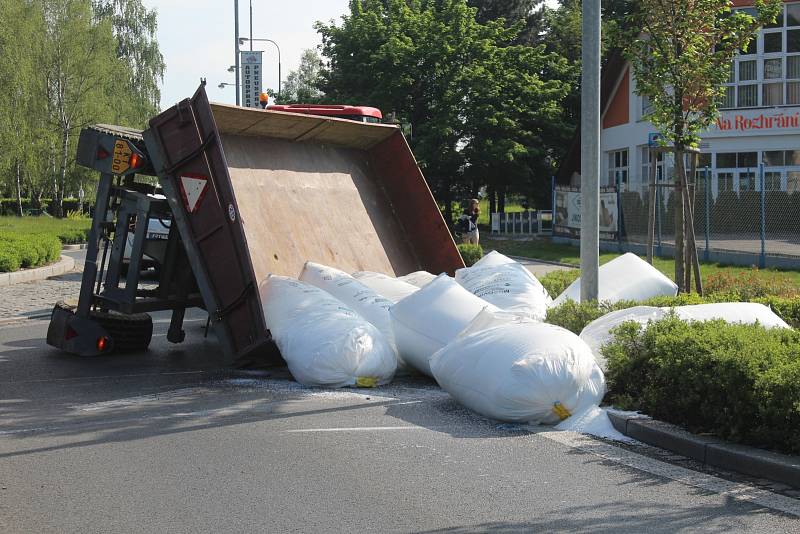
468	223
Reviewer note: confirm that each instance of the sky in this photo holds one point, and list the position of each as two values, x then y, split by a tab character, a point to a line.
196	38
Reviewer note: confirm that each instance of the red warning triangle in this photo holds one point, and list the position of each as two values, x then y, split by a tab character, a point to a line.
193	188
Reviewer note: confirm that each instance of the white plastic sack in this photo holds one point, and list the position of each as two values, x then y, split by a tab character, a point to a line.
732	312
354	294
388	287
429	319
493	259
418	278
627	277
324	342
509	286
598	332
514	369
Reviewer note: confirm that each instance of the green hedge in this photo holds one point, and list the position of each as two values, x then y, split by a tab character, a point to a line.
740	382
470	253
9	206
574	316
26	251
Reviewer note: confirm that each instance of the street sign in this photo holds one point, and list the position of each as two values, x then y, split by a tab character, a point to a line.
193	189
654	139
251	78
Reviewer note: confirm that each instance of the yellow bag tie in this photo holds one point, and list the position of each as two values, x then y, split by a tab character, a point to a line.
561	411
366	381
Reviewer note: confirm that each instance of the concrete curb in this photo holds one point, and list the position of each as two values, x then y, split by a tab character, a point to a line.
79	246
711	451
64	265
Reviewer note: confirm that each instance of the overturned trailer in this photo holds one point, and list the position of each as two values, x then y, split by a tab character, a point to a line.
247	193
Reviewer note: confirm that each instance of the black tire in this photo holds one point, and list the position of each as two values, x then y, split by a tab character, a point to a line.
128	332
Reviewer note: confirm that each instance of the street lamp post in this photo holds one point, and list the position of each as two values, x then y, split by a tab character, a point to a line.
236	52
590	151
243	39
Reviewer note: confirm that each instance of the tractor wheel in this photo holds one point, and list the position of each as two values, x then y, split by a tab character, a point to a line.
128	332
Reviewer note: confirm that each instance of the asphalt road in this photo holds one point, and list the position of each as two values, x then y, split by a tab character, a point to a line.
173	440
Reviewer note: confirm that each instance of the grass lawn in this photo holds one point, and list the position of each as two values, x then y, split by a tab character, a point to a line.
66	230
544	249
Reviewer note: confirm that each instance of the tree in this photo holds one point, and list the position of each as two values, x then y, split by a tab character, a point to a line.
681	54
526	12
79	61
463	86
134	27
302	85
561	34
24	133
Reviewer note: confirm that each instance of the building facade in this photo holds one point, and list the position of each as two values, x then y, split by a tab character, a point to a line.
759	121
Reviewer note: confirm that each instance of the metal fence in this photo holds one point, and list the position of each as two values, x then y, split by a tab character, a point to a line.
528	222
752	221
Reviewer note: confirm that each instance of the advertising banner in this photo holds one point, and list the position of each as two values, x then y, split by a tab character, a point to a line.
567	215
251	78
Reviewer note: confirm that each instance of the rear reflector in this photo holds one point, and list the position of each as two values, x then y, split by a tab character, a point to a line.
70	333
102	343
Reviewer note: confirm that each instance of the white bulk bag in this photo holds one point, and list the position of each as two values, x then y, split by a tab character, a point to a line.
732	312
432	317
493	259
418	278
627	277
354	294
514	369
598	332
510	287
324	342
388	287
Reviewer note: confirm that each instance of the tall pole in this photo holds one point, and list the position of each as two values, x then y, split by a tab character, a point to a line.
590	151
251	25
236	50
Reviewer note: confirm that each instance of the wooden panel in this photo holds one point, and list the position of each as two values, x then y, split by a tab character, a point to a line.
415	207
618	110
306	201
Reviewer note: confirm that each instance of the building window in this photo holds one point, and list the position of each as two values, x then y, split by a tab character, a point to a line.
772	181
747	160
647	106
618	167
762	73
726	160
793	182
724	181
774	158
747	181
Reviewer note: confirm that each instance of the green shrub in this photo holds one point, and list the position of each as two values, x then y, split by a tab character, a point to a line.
740	382
27	251
574	316
787	308
557	281
9	257
470	253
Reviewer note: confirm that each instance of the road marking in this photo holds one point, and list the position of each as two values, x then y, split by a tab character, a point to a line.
354	429
726	488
